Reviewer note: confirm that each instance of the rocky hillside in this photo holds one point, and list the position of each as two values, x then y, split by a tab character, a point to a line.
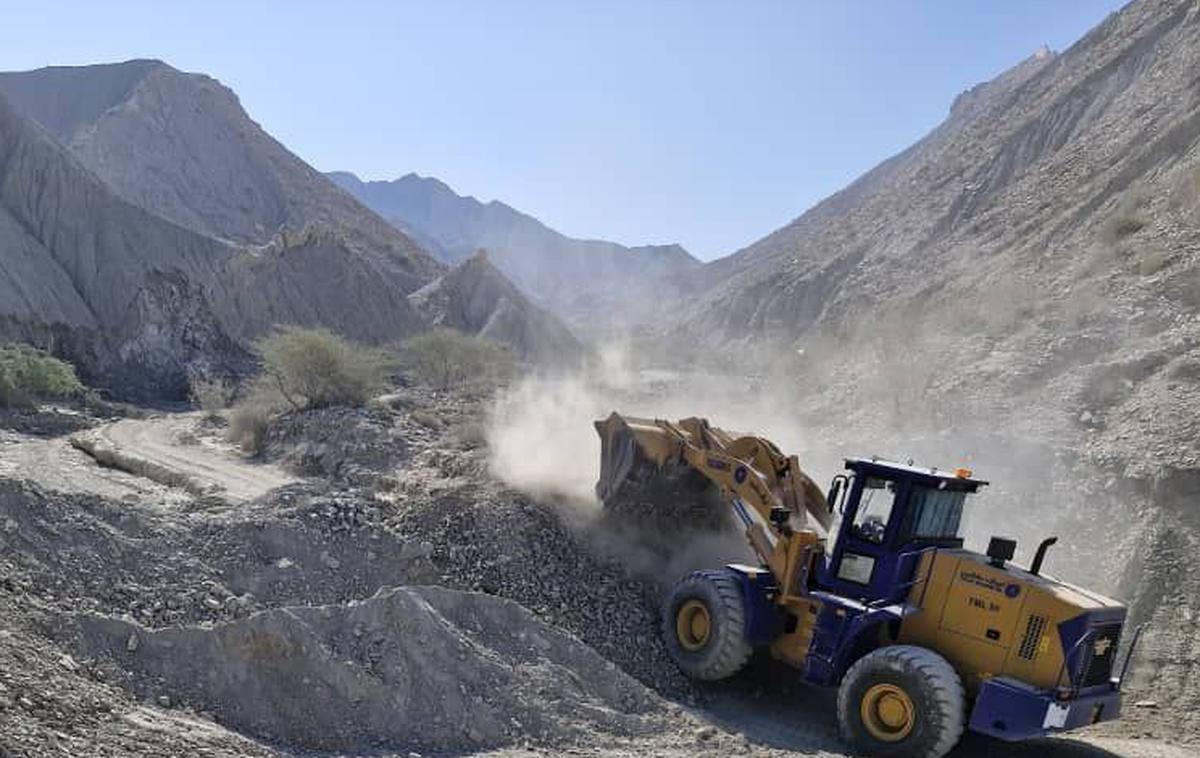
577	279
140	303
1047	233
116	288
475	298
150	231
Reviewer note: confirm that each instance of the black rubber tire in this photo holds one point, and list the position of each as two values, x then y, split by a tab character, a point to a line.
930	682
726	651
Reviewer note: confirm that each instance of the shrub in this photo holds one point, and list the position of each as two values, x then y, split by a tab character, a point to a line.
27	373
446	358
251	416
314	368
248	424
212	396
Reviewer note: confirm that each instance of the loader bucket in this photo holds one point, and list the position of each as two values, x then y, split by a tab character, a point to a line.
643	480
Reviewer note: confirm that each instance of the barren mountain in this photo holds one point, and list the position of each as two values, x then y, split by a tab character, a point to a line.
575	278
119	289
1048	232
181	145
140	303
150	230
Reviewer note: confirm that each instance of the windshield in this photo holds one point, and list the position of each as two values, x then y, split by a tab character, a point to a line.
933	513
875	509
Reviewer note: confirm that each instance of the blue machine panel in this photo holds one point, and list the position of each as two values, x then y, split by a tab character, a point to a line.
1010	710
764	620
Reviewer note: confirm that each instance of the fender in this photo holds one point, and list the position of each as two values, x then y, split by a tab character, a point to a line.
764	619
847	630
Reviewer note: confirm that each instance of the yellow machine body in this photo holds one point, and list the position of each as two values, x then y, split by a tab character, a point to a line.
996	621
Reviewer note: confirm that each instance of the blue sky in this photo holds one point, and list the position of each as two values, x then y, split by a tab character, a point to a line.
706	123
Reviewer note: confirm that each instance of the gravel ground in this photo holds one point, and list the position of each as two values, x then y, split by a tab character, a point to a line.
401	602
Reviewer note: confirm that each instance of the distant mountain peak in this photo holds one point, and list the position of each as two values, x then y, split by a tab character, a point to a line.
576	278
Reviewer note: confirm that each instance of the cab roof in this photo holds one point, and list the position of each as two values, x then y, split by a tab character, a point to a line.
930	474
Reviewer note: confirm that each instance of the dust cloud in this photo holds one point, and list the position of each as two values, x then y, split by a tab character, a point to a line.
540	431
821	404
541	437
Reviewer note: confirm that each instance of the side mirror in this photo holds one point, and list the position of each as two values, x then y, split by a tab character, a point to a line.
836	490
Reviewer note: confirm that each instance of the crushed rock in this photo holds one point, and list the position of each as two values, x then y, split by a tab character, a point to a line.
421	667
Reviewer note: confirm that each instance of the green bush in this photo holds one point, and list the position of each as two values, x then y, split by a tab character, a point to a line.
27	373
446	358
314	368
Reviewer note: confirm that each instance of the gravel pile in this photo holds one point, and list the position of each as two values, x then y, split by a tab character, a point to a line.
336	443
414	668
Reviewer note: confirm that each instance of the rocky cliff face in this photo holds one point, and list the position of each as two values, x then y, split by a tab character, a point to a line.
121	292
141	303
581	280
475	298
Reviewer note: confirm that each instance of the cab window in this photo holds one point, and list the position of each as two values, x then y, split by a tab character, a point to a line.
874	509
934	513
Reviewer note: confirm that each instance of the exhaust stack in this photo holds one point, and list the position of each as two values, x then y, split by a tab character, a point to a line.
1040	555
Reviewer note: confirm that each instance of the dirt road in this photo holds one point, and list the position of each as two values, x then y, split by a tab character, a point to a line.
57	465
181	451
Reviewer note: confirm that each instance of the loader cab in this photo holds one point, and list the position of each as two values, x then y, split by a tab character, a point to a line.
892	513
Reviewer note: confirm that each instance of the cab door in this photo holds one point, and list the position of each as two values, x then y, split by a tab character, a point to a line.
863	564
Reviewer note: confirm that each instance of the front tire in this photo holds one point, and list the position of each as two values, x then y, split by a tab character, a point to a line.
704	625
902	700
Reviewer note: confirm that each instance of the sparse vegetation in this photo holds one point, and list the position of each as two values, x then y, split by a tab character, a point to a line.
314	368
302	368
212	396
446	358
248	425
27	374
250	417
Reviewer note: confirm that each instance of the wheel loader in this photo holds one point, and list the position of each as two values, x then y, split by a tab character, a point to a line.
922	638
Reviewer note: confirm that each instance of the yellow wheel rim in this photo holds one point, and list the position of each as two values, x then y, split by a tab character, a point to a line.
693	625
888	713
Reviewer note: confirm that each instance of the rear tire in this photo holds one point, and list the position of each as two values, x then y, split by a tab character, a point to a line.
902	700
704	622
